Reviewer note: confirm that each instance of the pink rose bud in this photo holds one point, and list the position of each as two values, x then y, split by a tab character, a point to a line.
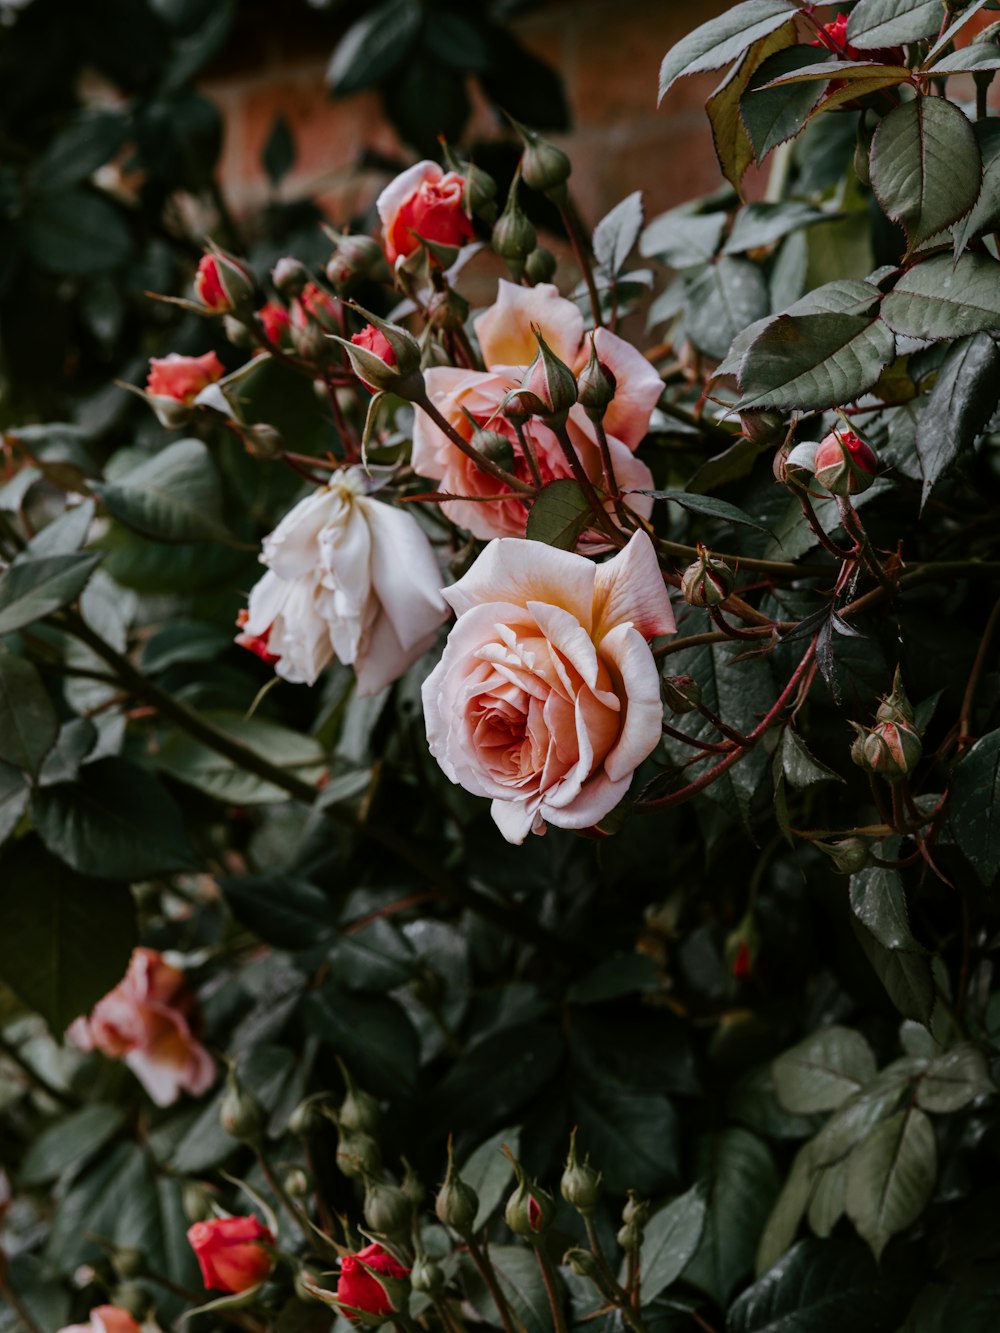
548	389
359	1289
182	377
275	321
317	305
707	582
424	203
892	750
844	464
230	1252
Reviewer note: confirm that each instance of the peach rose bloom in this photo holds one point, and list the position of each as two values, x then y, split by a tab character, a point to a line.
507	339
146	1021
183	377
105	1319
230	1252
547	697
423	199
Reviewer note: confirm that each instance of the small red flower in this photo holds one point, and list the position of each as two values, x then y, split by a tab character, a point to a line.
275	320
230	1252
359	1288
208	285
182	377
373	341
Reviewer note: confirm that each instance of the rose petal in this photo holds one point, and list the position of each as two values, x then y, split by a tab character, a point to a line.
515	571
506	334
630	587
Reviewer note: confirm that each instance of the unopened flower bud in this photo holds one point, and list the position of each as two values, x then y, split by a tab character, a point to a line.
682	694
844	464
892	750
544	167
581	1261
761	425
290	276
306	1284
496	447
529	1209
480	192
307	1118
629	1236
385	357
237	332
849	855
707	582
386	1208
895	707
263	441
309	341
127	1262
223	284
548	389
359	1111
196	1202
514	235
635	1211
457	1203
580	1185
358	1155
794	466
426	1275
356	259
298	1182
448	310
413	1186
240	1113
596	386
741	948
540	266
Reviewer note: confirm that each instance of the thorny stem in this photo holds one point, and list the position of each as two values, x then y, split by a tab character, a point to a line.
490	1278
709	746
528	449
582	257
607	1281
471	452
819	532
730	631
297	1214
965	713
551	1281
854	528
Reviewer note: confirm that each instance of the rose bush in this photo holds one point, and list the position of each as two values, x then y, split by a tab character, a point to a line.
712	605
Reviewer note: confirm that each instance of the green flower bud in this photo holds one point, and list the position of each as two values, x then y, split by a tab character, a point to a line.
596	386
307	1118
581	1261
762	425
306	1284
892	750
236	331
544	167
413	1186
426	1275
298	1182
448	310
240	1113
387	1208
479	195
708	581
581	1185
514	235
359	1111
629	1236
529	1209
636	1211
196	1201
290	277
355	260
849	855
127	1262
682	694
457	1203
548	389
895	707
263	441
540	266
496	447
358	1155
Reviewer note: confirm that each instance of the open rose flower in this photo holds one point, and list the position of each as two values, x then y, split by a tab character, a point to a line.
362	1290
507	338
230	1252
147	1022
182	378
427	201
105	1319
349	577
547	697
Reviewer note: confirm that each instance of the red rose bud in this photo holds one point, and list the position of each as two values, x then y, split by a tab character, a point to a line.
385	357
275	321
356	259
222	284
741	948
707	582
844	464
892	750
289	276
315	304
529	1209
833	36
596	386
182	378
361	1290
230	1252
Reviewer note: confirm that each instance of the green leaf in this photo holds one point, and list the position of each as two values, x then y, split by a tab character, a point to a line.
14	792
185	641
722	299
789	1208
64	940
961	403
34	587
878	902
65	534
631	1133
821	1287
973	803
559	514
875	23
617	975
683	240
968	60
926	168
954	1079
810	361
174	497
69	1143
669	1241
723	39
890	1177
823	1070
118	823
28	722
282	911
943	298
189	761
90	139
617	232
738	1173
373	47
799	765
457	40
733	147
278	156
762	224
372	1034
708	506
520	1281
906	974
985	215
376	958
829	1199
488	1171
76	233
774	114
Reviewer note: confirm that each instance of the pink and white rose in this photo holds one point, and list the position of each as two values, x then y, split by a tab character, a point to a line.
506	334
147	1021
349	577
547	697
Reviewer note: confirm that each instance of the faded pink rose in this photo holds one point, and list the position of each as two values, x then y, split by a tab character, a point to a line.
147	1022
105	1319
427	201
183	377
507	339
547	697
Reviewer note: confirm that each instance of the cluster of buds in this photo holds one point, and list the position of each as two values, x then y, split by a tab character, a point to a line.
635	1215
892	748
708	581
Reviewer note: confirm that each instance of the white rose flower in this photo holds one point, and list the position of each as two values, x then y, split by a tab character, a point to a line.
349	577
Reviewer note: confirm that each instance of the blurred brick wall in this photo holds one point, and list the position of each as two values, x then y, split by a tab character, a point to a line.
607	51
